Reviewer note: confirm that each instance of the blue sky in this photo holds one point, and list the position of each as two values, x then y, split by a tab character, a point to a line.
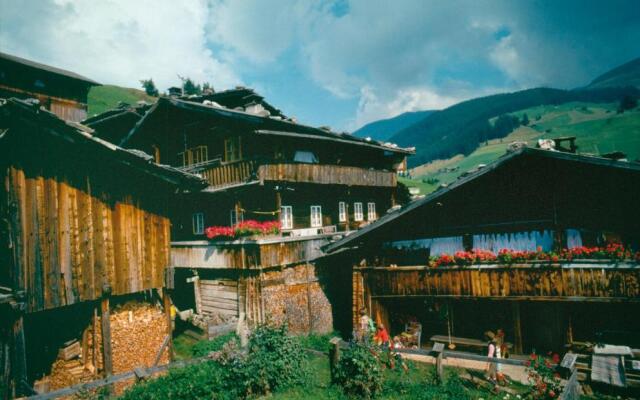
340	63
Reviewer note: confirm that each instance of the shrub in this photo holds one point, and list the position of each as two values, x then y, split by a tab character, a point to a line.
275	360
359	372
544	381
201	381
204	347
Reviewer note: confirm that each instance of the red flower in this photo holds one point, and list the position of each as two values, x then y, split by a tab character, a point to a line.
555	358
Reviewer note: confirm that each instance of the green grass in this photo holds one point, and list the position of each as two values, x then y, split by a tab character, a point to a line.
103	98
597	127
398	385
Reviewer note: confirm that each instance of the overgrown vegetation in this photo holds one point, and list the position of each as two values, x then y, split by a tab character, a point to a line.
359	371
272	361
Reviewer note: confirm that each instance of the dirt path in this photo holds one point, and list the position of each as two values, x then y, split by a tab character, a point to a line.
516	373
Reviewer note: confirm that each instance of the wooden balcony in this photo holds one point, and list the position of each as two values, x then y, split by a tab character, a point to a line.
581	281
326	174
247	253
220	174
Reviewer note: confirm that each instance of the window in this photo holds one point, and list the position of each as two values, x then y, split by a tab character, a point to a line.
371	212
357	212
237	216
342	211
232	150
316	216
286	217
197	221
194	155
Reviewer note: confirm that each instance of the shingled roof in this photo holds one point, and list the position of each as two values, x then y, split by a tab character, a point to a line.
576	162
48	68
14	112
262	125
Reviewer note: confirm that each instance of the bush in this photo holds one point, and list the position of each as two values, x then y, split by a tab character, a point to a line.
275	360
201	381
204	347
359	372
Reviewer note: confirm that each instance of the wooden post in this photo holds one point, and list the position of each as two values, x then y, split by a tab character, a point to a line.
20	356
167	312
334	355
517	327
94	342
438	351
196	291
107	361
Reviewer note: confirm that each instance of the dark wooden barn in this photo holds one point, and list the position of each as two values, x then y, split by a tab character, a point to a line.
82	219
262	166
549	289
62	92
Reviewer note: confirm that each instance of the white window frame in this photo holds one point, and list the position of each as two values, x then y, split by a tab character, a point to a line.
197	223
235	217
316	216
286	217
371	211
342	211
358	214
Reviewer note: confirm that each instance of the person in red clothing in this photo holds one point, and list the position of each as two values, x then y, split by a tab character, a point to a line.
382	336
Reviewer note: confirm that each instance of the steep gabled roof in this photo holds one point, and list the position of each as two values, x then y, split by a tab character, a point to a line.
233	98
14	112
48	68
364	233
261	125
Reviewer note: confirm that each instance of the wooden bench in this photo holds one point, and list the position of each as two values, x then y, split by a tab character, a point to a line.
466	342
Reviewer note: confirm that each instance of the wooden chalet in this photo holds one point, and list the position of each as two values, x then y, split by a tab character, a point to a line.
261	165
530	200
82	221
62	92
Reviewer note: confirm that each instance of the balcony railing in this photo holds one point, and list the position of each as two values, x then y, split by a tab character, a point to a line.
327	174
220	174
598	280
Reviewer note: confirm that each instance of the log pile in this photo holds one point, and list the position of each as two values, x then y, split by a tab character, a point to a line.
138	331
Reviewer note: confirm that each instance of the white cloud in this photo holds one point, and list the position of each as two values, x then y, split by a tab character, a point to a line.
372	107
117	41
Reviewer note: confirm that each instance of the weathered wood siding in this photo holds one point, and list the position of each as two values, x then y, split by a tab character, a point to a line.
598	282
229	174
327	174
70	241
220	297
246	253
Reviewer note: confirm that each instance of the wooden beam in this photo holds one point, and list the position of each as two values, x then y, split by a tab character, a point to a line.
517	327
107	360
167	312
20	356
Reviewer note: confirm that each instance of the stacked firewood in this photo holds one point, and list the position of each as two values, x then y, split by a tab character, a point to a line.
138	331
68	369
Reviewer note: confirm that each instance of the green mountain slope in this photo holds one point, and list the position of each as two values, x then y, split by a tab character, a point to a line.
103	98
625	75
385	128
460	128
597	127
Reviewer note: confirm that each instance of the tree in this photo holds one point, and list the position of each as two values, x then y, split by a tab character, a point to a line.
627	103
189	87
149	87
525	120
207	88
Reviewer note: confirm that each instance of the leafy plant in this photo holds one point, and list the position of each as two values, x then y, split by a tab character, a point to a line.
544	381
198	382
274	360
359	371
